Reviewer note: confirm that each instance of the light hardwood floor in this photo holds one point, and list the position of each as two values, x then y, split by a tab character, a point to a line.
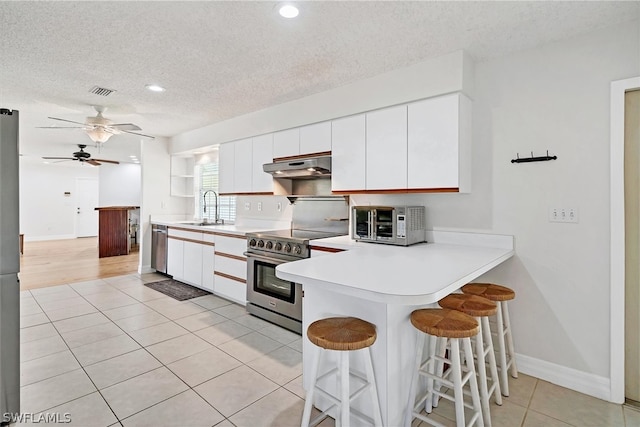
57	262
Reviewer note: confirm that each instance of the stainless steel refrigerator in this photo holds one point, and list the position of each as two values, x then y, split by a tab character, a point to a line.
9	266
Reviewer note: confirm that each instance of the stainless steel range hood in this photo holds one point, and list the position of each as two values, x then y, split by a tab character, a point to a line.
306	168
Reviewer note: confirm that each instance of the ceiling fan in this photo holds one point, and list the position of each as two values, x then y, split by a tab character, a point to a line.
83	157
99	128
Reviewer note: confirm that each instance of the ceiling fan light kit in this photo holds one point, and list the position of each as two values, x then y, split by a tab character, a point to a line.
99	128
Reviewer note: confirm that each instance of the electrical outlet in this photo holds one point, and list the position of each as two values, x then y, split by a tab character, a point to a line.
259	206
563	215
247	206
279	207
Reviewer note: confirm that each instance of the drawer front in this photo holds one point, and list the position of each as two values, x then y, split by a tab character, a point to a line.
231	266
231	289
191	235
231	245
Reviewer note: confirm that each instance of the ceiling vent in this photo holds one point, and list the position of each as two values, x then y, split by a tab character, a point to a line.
102	91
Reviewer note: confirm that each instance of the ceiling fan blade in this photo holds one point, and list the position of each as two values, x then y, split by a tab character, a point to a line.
59	158
59	127
65	120
92	162
106	161
139	134
126	126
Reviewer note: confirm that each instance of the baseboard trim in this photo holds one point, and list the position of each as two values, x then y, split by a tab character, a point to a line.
43	238
146	269
582	382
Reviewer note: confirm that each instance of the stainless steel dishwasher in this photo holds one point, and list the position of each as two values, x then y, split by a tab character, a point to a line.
159	248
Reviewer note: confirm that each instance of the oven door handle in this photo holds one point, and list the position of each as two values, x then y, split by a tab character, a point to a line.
264	258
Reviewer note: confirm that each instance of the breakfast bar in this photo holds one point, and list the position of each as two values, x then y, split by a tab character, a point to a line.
383	285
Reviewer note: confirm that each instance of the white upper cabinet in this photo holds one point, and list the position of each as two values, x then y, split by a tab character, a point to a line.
439	143
243	165
348	153
387	149
286	143
315	138
262	153
226	168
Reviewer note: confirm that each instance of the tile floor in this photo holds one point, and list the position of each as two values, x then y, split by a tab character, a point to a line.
113	352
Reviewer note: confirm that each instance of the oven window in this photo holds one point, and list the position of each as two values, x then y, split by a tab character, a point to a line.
266	282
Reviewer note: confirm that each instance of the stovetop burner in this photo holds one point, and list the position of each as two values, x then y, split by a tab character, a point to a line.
285	243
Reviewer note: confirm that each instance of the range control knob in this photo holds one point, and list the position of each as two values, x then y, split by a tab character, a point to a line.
287	247
261	243
297	249
252	242
278	246
269	245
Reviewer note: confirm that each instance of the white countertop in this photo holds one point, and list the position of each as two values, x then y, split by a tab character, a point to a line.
239	229
413	275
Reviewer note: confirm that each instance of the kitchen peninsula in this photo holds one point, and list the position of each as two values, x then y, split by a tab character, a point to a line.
113	230
383	285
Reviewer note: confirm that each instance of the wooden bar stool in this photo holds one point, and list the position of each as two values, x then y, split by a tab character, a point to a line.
342	334
480	308
453	326
499	294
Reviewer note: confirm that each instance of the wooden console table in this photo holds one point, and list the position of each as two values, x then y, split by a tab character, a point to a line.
113	230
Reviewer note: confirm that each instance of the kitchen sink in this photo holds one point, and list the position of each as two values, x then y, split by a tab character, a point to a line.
200	223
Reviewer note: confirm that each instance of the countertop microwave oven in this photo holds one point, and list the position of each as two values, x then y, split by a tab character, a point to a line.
393	225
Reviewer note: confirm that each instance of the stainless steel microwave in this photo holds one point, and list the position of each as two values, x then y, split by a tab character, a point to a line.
393	225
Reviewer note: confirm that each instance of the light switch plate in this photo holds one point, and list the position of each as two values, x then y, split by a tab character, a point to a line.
247	206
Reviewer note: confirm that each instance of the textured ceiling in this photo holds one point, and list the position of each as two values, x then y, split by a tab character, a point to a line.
222	59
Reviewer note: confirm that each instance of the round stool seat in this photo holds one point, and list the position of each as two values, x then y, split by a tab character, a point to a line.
489	291
472	305
443	322
342	333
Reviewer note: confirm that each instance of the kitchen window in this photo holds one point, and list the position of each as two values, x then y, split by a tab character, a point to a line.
207	179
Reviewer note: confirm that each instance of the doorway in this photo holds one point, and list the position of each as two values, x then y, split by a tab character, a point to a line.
618	231
86	201
632	246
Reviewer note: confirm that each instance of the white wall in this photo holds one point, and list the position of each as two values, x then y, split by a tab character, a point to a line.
555	98
46	213
155	197
120	185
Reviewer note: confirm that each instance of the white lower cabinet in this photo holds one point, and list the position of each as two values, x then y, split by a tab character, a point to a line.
190	257
175	258
231	268
208	262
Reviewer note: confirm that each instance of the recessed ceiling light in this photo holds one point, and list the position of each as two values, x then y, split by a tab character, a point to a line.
288	11
155	88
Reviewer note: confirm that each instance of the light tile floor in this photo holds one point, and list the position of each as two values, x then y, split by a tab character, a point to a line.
112	352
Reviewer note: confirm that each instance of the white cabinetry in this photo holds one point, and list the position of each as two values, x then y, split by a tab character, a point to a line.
241	166
226	168
262	153
286	143
243	161
182	184
439	143
190	257
348	153
387	149
315	138
231	268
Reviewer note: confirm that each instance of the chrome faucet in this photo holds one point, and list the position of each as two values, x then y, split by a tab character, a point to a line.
204	204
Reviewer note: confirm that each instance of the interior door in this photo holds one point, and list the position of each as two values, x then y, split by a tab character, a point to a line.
86	202
632	245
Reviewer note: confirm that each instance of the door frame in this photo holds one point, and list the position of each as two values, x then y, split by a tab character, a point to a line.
618	228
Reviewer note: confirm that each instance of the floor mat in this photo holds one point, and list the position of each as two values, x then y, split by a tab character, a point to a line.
177	290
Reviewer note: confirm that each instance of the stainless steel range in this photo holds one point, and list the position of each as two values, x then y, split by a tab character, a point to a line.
270	297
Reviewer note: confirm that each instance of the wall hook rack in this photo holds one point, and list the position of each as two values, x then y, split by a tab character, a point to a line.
533	159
